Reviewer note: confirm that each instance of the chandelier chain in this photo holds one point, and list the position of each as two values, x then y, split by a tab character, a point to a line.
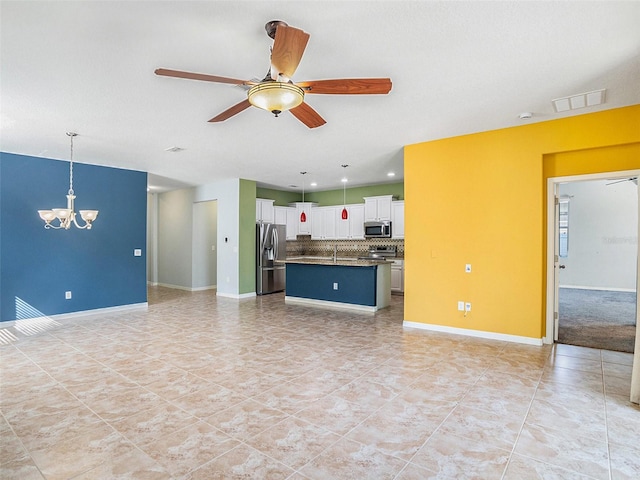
71	135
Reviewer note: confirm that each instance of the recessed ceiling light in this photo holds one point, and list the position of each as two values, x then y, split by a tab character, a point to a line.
313	184
174	149
581	100
344	180
391	174
525	115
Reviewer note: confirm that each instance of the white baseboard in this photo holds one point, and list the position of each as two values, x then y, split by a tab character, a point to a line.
81	313
177	287
328	304
237	296
605	289
201	289
474	333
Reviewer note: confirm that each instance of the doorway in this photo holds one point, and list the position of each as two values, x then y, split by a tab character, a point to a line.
204	252
597	263
592	248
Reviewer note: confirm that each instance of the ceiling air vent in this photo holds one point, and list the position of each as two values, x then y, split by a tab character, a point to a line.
580	100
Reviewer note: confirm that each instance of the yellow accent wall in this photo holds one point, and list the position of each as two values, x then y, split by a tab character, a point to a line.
480	199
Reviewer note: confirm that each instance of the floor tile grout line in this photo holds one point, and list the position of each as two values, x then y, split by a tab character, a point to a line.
524	422
24	447
606	418
457	404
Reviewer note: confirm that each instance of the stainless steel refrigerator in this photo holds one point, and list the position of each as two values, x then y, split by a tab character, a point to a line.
271	244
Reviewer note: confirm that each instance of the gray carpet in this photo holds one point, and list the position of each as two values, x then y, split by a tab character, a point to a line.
598	319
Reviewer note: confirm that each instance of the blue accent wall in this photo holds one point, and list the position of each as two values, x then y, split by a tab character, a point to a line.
38	265
356	285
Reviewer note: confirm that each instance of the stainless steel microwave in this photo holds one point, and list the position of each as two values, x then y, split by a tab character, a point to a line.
381	229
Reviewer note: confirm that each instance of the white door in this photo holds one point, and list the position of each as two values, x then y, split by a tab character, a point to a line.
556	263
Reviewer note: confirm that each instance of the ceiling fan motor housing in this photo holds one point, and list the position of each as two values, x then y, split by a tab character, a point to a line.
272	26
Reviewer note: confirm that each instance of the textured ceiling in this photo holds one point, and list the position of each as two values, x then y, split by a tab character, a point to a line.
456	68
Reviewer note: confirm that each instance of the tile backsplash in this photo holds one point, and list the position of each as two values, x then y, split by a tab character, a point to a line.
346	248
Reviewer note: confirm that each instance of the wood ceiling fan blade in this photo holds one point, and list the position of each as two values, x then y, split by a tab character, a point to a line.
308	115
287	51
347	86
230	112
201	76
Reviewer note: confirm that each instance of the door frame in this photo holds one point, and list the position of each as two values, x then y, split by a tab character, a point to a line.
552	285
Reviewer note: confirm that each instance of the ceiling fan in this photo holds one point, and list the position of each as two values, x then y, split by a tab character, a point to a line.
277	92
630	179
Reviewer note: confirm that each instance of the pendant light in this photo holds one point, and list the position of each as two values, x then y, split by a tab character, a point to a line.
303	216
345	213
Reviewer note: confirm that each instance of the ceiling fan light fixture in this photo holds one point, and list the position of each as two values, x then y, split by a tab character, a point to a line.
275	97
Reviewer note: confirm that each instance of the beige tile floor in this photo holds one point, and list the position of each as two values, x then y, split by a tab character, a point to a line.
199	387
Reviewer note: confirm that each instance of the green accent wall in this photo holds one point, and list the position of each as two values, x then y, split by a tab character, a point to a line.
281	197
332	197
356	194
247	236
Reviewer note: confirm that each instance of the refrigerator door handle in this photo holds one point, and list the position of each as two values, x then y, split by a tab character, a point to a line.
275	242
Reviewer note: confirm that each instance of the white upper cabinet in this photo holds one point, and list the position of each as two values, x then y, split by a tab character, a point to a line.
304	228
324	222
264	210
377	208
397	219
353	226
292	223
287	216
356	219
280	215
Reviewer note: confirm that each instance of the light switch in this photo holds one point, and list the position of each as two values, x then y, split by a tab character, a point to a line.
467	268
137	252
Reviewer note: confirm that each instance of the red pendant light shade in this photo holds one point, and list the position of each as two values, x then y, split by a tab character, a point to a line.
303	216
345	213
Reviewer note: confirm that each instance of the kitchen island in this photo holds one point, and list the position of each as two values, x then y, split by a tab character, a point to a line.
349	283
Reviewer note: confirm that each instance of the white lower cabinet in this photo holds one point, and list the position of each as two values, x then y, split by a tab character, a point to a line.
397	276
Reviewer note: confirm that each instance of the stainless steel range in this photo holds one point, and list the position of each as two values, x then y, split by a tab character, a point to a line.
381	252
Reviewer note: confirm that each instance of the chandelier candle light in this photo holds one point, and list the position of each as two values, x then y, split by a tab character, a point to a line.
345	213
67	216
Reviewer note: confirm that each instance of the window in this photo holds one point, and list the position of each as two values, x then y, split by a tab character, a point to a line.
563	240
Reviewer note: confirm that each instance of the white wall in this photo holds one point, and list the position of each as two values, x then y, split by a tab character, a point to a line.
180	247
205	244
603	238
227	193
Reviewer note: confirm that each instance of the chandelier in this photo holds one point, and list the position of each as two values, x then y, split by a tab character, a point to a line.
67	216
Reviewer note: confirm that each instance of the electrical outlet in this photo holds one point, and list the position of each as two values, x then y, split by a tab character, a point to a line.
335	285
67	295
467	307
461	306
